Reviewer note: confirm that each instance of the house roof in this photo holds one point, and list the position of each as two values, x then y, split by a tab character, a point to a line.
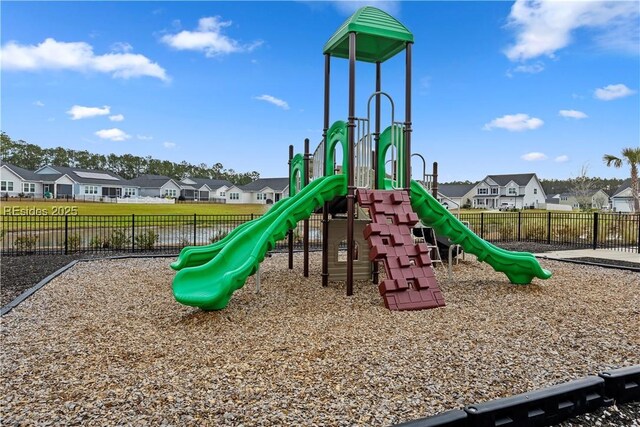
149	181
552	200
213	184
25	174
86	176
519	178
625	184
455	190
277	184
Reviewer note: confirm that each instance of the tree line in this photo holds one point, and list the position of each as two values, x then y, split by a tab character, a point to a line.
31	156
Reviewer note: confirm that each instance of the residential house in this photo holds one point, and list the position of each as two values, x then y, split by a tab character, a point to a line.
156	186
518	190
622	199
596	199
61	181
89	184
205	188
455	196
16	181
261	191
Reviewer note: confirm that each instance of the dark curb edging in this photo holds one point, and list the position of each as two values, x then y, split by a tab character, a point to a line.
544	407
32	290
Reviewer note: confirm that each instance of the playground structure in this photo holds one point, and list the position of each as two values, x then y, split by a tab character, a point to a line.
375	174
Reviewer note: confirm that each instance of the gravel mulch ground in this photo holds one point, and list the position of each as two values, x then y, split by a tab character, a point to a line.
18	273
106	344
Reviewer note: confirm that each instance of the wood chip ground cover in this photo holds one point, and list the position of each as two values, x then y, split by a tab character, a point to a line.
106	344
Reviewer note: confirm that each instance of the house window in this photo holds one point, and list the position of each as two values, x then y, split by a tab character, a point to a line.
6	185
234	196
483	191
512	191
129	191
535	191
28	187
90	189
261	196
494	190
170	192
222	194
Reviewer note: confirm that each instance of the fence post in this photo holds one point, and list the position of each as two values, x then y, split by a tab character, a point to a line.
638	232
133	232
66	234
519	224
482	225
595	231
194	230
548	228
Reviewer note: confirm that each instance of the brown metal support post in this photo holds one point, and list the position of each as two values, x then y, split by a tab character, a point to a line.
350	159
407	120
290	233
305	232
325	208
434	186
376	147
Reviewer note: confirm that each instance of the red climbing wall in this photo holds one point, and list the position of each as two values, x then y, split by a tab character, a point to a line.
411	282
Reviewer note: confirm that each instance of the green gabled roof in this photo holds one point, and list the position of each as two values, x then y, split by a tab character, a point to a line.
379	36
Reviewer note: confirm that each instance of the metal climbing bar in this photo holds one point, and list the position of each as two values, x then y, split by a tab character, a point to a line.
363	159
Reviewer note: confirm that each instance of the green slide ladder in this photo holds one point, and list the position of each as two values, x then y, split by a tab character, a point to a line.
209	275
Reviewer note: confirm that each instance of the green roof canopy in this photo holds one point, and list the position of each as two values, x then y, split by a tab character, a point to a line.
379	36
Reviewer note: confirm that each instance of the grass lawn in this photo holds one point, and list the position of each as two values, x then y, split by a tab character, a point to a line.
56	207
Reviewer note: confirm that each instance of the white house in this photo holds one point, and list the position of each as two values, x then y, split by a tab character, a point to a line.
205	188
455	196
16	181
156	186
622	199
60	181
517	190
597	199
261	191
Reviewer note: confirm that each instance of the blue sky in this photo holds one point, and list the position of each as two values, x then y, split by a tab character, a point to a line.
499	87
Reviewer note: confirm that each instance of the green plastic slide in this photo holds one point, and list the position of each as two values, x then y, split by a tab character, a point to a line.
209	275
520	267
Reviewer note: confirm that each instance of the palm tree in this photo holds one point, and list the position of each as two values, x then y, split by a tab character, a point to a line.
632	157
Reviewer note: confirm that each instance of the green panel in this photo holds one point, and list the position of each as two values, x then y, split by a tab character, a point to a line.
379	36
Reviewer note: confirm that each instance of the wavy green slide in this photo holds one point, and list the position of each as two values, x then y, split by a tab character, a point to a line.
209	275
520	267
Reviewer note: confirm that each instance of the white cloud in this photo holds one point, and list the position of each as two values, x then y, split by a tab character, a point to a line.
611	92
273	100
116	118
514	123
113	134
122	47
533	156
77	56
144	137
78	112
561	159
544	27
169	145
208	38
573	114
38	103
535	68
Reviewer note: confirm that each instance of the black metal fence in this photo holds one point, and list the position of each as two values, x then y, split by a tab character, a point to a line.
65	234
